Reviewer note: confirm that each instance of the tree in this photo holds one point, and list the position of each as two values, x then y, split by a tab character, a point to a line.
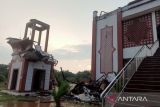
3	72
59	91
80	76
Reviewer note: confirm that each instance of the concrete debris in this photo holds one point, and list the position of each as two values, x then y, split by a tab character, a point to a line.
89	92
23	48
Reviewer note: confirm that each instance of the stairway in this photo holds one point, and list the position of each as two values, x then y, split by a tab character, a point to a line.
145	82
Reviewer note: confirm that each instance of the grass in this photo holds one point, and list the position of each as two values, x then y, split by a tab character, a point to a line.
2	86
8	98
21	100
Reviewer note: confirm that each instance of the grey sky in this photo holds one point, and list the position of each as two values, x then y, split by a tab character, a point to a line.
71	26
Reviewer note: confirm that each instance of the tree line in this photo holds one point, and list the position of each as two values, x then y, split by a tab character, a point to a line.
76	77
3	72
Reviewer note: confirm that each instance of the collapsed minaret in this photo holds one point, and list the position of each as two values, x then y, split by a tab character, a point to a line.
31	68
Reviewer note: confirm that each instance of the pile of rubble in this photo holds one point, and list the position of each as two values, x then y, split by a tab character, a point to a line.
27	49
90	91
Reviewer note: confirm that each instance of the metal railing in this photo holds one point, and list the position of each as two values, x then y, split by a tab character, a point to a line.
116	87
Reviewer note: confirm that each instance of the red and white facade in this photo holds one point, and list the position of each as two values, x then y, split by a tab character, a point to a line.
25	75
118	35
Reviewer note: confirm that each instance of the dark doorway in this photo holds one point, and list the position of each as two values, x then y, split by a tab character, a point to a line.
158	33
38	80
14	79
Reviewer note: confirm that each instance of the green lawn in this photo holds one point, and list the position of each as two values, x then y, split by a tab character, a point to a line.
7	98
2	86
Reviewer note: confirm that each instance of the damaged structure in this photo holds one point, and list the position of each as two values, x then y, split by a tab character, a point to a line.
31	68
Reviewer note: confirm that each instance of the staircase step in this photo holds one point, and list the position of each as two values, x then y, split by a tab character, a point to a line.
157	54
152	60
140	90
150	63
146	75
144	86
149	78
144	82
150	66
148	72
146	68
152	57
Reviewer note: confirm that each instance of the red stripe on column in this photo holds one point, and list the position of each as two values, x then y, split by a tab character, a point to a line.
120	39
93	60
51	76
23	75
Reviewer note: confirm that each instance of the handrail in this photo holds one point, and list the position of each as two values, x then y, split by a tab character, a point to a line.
123	70
152	45
108	87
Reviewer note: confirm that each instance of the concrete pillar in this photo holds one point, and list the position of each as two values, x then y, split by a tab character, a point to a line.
120	39
154	27
47	38
26	31
39	39
94	44
33	34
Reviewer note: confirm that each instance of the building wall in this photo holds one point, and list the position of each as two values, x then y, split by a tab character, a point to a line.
138	31
37	65
128	12
150	8
16	64
110	20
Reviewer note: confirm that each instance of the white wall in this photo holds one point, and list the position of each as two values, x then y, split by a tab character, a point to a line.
16	64
37	65
148	50
110	20
130	52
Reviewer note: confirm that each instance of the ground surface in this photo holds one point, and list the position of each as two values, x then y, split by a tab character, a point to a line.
19	101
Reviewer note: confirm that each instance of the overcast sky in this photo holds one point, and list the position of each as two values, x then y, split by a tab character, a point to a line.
70	32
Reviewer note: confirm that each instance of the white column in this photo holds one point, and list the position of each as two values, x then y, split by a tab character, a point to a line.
154	26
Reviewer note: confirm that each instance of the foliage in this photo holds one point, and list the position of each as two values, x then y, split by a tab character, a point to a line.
59	91
3	72
80	76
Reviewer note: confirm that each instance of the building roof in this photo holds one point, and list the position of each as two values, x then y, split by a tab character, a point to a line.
129	6
133	2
